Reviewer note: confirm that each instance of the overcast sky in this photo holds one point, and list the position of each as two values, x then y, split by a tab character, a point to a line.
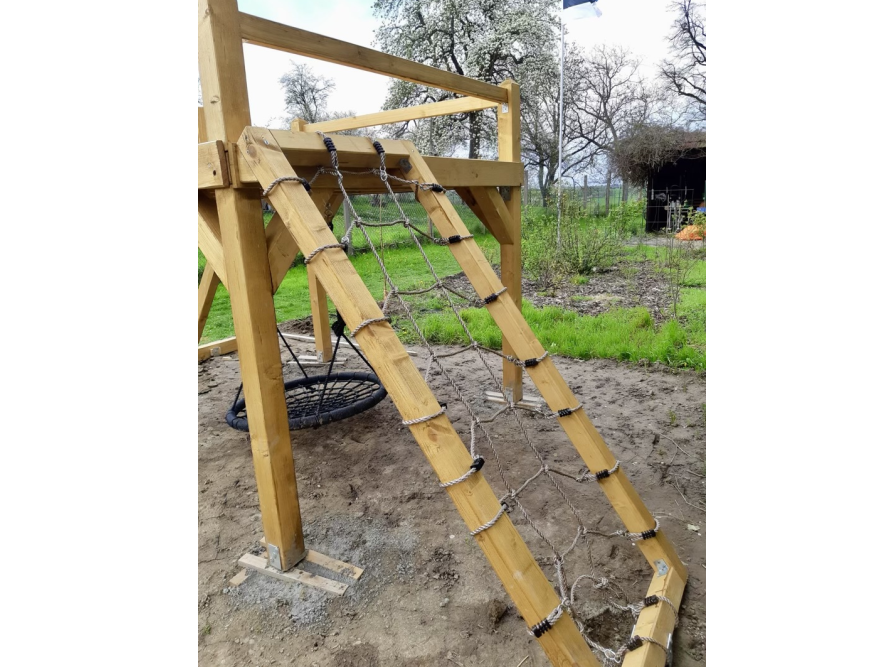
640	25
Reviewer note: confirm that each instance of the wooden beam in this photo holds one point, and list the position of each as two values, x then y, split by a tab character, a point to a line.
463	172
213	169
657	621
489	207
550	383
444	108
327	204
510	151
476	502
261	564
307	150
215	348
202	126
262	32
206	292
210	238
224	83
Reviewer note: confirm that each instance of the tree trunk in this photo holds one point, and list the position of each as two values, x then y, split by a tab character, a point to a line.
608	191
624	190
474	134
542	184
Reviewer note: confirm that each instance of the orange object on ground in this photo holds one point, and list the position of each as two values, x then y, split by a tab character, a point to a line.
691	233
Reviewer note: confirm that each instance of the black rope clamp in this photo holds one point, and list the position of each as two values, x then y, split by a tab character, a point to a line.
602	475
436	188
490	298
379	148
477	464
338	326
306	185
530	362
564	412
541	628
650	600
329	144
634	643
648	533
454	238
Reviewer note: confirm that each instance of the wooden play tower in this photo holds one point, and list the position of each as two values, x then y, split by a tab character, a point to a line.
236	162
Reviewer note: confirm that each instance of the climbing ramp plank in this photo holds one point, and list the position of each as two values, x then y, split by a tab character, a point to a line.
476	502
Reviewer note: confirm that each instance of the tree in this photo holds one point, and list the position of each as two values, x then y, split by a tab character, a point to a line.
306	93
615	98
489	40
540	120
684	74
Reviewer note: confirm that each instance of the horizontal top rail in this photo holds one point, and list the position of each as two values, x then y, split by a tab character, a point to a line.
444	108
263	32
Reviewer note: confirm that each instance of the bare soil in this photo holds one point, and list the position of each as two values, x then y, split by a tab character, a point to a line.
428	597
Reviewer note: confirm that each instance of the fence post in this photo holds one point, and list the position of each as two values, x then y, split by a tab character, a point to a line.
584	195
347	219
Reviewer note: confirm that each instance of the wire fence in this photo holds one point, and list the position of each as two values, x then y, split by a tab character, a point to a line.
379	209
590	199
670	209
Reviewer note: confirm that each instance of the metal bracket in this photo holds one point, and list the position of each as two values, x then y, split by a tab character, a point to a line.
274	556
661	567
505	108
404	165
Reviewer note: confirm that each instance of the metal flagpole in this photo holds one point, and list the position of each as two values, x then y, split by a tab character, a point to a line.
562	59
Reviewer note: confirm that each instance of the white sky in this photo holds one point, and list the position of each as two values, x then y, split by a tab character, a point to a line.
640	25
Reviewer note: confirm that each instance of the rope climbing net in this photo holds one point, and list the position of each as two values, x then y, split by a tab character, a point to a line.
482	444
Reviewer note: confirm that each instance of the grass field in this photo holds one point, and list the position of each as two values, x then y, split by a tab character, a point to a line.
629	334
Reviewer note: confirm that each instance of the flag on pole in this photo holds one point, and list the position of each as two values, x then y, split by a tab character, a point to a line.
579	9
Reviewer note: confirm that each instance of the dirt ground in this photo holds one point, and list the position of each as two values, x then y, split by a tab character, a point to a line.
428	597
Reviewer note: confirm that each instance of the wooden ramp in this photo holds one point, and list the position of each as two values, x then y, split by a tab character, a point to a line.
474	499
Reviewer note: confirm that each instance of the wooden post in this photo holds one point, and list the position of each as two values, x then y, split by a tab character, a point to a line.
509	150
347	221
585	193
206	290
209	279
318	298
221	64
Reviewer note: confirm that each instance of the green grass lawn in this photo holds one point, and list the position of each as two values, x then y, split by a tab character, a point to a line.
628	334
621	333
405	264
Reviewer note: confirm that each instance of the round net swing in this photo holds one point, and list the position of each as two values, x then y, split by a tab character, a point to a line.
313	401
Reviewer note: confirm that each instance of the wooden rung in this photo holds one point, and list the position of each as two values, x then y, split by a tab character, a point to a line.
261	564
530	403
334	565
